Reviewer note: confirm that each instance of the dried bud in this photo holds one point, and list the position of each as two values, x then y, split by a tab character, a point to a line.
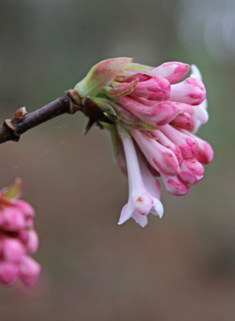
21	112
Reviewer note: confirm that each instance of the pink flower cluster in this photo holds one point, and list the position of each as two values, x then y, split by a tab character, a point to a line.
170	150
17	238
156	115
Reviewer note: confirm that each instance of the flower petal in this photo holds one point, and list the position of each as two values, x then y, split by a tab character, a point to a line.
126	213
140	219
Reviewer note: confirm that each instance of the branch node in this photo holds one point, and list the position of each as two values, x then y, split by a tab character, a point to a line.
8	123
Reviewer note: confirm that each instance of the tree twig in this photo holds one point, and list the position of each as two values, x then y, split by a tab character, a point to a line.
12	129
68	103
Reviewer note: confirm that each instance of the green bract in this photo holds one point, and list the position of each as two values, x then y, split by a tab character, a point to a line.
100	76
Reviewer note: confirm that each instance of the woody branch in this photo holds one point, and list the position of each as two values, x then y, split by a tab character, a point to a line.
12	129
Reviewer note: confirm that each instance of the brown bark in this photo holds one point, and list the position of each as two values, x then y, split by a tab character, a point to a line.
13	128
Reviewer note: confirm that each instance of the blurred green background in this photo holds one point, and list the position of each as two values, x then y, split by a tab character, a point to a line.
179	268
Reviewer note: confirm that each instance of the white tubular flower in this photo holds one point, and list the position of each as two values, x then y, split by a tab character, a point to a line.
200	115
143	187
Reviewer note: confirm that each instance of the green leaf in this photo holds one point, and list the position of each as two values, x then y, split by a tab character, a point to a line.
13	191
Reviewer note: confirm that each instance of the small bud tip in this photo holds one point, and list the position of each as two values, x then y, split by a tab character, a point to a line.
21	112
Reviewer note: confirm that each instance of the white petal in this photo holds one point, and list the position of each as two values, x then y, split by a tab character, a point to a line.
126	213
140	219
151	183
197	125
195	72
200	115
142	203
157	208
204	104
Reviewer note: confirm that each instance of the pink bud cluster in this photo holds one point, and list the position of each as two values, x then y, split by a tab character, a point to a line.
174	111
156	115
17	238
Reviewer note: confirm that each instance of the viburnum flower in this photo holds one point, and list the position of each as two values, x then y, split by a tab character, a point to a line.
17	238
152	115
144	189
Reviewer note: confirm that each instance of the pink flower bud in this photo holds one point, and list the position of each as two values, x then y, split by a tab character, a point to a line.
13	219
187	145
33	241
160	158
8	272
29	223
172	71
191	171
163	140
185	108
159	114
183	120
29	270
190	91
23	235
13	250
144	101
205	152
16	240
156	89
174	185
128	118
25	207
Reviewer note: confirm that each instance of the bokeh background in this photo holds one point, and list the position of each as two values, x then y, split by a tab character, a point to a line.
179	268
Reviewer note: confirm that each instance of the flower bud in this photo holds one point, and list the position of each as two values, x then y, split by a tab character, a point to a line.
13	250
172	71
13	219
160	158
190	91
17	237
29	270
191	171
174	185
8	272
